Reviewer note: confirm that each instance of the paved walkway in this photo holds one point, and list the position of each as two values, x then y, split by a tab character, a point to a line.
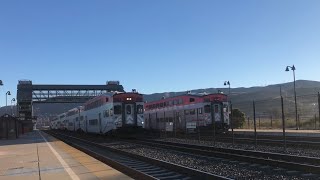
37	155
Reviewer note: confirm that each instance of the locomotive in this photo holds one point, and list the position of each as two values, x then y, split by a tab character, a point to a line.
107	113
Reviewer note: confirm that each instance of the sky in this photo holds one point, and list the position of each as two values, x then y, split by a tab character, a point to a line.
158	46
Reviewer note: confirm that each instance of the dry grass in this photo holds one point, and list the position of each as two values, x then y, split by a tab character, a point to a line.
277	124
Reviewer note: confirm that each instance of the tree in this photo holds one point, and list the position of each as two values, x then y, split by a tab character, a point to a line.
238	118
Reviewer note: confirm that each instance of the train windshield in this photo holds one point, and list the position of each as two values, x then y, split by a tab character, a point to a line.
128	109
216	108
140	109
207	109
117	109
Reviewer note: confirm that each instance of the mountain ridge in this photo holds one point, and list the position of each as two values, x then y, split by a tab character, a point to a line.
285	87
241	97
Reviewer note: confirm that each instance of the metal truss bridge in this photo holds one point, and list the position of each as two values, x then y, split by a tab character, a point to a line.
28	94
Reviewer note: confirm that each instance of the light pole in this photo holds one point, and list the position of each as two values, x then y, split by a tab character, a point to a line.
230	107
1	84
227	83
7	93
79	118
13	99
295	95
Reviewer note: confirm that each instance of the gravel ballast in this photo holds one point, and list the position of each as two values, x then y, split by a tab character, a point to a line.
218	166
296	151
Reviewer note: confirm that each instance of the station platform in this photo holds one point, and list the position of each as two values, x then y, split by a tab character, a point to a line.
37	155
278	132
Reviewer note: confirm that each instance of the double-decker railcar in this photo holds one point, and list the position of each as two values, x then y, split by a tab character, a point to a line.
188	110
107	113
53	123
73	118
61	121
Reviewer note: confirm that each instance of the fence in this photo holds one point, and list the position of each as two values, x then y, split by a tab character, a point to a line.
11	127
301	112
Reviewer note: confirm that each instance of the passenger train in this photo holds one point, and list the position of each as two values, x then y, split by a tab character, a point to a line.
107	113
187	112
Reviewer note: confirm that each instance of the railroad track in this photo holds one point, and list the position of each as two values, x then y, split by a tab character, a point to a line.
306	142
299	163
135	166
274	141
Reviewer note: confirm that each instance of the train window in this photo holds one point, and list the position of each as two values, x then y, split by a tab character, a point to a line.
111	112
117	109
192	112
106	113
191	100
107	99
81	118
161	104
200	110
207	109
77	119
216	108
180	101
140	109
157	106
93	122
186	112
128	109
175	102
206	100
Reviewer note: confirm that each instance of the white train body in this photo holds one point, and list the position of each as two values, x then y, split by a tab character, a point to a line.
105	113
53	123
60	121
188	110
72	118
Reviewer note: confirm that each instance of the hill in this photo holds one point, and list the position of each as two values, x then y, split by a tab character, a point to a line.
267	99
